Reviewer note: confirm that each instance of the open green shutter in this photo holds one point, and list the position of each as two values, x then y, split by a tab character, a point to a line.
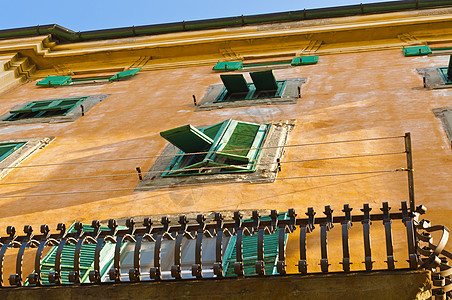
188	139
7	149
55	81
264	80
235	83
228	66
304	60
416	50
124	74
244	137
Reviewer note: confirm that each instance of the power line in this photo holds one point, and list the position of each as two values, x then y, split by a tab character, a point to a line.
182	185
199	169
203	152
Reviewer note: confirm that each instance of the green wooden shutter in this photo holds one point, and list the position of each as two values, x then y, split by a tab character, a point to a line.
7	149
443	71
124	74
67	259
188	139
305	60
55	81
228	66
416	51
249	251
244	137
264	80
235	83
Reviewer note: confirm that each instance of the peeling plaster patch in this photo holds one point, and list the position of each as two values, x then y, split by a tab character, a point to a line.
19	128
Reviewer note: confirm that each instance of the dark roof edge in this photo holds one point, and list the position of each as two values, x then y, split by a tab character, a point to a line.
65	35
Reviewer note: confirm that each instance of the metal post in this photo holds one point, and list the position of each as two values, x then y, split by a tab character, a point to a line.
409	166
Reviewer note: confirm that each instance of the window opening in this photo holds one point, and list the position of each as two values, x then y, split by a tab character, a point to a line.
7	149
45	108
232	146
236	88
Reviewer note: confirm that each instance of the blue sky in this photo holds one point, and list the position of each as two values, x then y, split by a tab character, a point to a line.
82	15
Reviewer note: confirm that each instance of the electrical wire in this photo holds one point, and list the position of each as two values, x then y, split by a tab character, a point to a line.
182	185
199	169
203	152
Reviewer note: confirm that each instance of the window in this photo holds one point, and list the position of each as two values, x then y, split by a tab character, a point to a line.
52	81
264	89
8	148
50	110
45	108
231	147
231	151
264	85
437	77
13	152
446	72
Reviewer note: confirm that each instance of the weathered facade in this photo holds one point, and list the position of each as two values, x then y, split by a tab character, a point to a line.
361	90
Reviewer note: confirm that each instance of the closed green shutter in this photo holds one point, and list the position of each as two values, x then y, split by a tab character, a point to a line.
264	80
67	259
188	139
228	66
7	149
416	51
55	81
244	137
304	60
124	74
249	251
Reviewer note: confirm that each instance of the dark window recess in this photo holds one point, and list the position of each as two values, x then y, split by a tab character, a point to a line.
231	146
264	86
45	108
50	81
7	149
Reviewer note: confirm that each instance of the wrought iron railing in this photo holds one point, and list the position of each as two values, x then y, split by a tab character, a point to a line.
423	253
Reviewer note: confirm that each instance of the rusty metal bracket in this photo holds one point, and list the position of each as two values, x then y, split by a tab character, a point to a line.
324	228
366	234
304	229
388	236
346	225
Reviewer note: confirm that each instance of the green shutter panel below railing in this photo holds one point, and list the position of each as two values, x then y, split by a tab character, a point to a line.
67	259
249	251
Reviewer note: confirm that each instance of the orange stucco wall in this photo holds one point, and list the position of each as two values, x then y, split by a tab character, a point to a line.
346	96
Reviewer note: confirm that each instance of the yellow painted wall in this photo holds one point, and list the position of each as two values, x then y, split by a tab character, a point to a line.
347	96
